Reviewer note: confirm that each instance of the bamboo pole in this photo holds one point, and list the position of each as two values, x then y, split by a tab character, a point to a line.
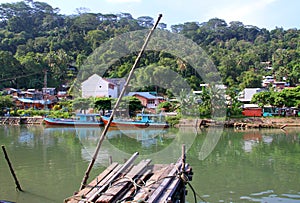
18	186
86	176
183	158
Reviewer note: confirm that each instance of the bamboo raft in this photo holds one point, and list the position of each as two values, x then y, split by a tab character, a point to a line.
137	183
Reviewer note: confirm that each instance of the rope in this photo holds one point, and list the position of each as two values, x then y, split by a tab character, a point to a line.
185	179
195	193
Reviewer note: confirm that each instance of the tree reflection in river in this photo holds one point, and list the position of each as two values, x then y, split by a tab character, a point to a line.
244	166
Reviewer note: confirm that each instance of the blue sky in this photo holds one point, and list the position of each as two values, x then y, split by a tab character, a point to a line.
262	13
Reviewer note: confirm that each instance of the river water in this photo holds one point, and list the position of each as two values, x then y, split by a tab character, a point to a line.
228	165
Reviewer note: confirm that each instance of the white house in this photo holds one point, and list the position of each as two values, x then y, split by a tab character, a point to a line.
246	95
96	86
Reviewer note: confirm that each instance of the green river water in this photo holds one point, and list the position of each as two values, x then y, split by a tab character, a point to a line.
228	165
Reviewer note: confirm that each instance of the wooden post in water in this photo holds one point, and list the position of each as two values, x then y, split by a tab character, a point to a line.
183	160
86	176
18	186
183	157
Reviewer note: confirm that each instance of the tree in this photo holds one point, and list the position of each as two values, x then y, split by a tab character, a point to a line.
10	70
215	24
250	79
6	102
162	26
291	97
145	21
103	103
55	41
189	104
166	106
65	105
295	74
95	38
262	98
234	103
82	104
130	104
58	63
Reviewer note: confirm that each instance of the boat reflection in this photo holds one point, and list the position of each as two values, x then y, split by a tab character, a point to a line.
253	138
141	135
118	142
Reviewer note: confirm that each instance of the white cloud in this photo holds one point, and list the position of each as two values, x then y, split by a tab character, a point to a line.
8	1
241	11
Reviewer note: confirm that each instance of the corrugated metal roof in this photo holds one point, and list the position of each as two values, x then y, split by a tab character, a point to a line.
146	95
34	101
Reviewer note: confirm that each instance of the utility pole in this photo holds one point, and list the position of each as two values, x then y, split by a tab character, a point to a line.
45	89
45	78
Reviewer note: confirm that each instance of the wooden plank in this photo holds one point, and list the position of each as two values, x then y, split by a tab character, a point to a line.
141	180
102	185
120	187
102	178
113	178
172	188
169	191
152	183
93	183
99	178
164	184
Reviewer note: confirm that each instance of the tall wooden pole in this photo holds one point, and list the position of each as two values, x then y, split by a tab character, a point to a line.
183	160
18	186
86	176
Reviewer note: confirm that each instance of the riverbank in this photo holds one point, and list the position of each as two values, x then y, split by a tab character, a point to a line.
243	123
14	120
268	122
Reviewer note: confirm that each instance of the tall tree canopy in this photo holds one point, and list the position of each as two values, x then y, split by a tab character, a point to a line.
35	38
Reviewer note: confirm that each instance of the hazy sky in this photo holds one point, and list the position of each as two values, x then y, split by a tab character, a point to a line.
262	13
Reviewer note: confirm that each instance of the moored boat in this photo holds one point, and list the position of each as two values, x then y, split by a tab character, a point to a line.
141	121
81	120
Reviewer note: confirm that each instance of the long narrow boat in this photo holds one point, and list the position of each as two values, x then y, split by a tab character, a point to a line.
141	121
81	120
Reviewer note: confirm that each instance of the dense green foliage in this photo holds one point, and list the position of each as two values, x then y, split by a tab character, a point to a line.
6	102
284	98
35	39
102	104
129	105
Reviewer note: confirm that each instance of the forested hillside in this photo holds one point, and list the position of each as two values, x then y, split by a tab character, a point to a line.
35	39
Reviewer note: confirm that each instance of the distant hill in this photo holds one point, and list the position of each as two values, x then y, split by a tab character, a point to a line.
36	40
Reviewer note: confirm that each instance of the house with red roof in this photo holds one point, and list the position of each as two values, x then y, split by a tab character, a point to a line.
148	99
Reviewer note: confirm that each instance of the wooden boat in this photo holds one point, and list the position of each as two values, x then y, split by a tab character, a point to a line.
141	121
81	120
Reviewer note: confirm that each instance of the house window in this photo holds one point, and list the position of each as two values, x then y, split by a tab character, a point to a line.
111	86
151	101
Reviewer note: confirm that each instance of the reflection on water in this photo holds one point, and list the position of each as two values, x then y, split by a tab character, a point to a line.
250	166
120	144
242	166
252	139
